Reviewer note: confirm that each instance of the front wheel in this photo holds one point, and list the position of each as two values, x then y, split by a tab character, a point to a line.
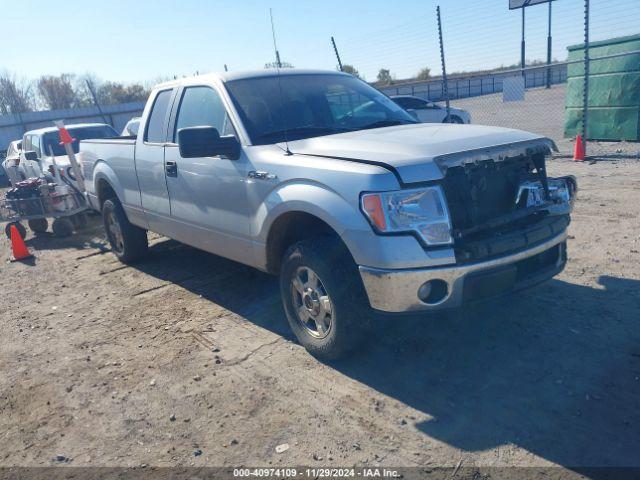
323	297
128	242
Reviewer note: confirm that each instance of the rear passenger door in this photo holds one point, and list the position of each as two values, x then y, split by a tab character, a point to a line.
207	194
149	163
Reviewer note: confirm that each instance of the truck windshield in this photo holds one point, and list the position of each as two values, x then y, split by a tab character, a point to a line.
51	140
310	105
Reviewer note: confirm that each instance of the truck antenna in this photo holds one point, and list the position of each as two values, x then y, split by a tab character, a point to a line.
278	66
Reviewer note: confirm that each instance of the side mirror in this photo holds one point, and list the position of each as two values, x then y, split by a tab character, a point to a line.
206	142
413	113
31	156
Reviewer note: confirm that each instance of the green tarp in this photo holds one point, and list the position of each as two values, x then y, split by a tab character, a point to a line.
614	91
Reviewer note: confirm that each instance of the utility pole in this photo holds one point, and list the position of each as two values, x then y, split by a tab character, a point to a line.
445	83
549	49
585	97
522	44
335	49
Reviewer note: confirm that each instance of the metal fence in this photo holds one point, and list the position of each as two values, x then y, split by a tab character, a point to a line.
477	85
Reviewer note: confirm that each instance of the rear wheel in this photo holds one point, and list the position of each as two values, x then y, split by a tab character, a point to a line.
38	225
128	242
62	227
323	297
454	119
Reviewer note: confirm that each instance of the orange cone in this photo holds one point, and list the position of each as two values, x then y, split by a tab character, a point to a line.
578	151
65	136
20	250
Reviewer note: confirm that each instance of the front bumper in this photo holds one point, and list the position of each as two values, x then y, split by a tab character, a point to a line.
397	290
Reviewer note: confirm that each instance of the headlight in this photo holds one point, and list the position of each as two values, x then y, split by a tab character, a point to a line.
422	210
531	193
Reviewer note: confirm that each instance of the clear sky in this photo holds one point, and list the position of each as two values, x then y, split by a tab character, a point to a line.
142	40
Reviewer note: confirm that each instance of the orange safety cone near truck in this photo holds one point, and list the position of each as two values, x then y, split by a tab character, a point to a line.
578	151
19	248
65	136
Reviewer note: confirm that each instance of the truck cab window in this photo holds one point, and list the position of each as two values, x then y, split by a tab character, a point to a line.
157	119
202	106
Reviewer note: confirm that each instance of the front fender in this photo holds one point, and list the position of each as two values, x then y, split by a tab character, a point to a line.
345	218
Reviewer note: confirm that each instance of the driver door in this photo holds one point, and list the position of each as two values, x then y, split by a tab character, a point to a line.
207	194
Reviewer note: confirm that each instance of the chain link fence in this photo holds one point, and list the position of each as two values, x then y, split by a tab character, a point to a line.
542	98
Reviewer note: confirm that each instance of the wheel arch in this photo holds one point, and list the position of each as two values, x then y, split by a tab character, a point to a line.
292	227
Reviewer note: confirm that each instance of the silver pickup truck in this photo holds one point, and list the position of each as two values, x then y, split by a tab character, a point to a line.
319	178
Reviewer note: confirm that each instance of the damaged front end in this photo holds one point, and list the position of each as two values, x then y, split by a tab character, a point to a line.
501	201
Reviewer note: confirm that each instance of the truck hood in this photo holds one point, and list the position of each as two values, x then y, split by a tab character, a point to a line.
422	152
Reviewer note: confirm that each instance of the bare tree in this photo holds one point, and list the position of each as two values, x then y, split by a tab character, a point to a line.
58	92
424	74
110	93
275	65
16	96
384	76
346	68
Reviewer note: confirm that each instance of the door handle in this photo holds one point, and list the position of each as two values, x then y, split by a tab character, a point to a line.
171	168
261	175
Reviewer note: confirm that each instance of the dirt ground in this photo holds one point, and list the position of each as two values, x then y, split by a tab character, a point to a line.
186	359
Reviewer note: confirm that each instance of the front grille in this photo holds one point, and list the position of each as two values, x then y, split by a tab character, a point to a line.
481	191
478	194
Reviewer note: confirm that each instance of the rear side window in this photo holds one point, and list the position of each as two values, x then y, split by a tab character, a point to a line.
156	126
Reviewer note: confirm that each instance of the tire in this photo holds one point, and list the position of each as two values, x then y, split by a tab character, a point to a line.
128	242
455	119
21	230
62	227
339	325
38	225
80	220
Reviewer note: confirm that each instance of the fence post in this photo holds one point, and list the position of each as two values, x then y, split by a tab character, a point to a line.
445	83
549	50
335	49
585	97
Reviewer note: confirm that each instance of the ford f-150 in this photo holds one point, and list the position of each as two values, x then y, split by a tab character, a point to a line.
321	179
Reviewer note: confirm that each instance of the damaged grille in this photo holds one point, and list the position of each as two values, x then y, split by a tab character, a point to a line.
485	219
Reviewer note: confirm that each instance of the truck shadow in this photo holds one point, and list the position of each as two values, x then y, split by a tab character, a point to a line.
555	370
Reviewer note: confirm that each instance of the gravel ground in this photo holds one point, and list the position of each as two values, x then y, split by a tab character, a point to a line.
186	359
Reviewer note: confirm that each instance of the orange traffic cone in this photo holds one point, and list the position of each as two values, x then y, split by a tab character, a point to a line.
65	136
20	250
578	151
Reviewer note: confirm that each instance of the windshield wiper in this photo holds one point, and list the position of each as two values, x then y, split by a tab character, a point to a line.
386	123
309	129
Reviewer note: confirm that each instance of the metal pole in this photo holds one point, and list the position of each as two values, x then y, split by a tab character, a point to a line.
335	49
445	84
522	45
585	98
226	69
95	101
549	49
